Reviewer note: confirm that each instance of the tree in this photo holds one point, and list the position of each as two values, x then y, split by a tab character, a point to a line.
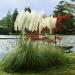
59	10
62	8
3	26
67	25
9	22
15	13
27	9
3	22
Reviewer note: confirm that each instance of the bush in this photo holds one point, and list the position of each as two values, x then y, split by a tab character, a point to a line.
32	56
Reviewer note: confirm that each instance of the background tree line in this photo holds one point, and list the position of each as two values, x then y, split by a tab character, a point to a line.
7	23
68	27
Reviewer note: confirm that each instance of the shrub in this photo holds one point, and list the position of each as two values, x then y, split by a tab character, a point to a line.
32	56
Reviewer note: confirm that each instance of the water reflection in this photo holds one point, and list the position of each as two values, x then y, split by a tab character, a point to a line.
7	43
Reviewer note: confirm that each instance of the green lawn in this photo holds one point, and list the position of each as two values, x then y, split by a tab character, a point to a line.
61	70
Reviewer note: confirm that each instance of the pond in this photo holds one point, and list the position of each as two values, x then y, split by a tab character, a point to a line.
9	42
67	40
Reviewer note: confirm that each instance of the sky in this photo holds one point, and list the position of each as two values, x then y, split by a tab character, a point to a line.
38	5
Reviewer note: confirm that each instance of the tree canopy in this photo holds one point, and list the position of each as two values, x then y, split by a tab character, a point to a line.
68	25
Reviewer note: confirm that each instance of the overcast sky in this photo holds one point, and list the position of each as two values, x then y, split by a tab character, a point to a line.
46	5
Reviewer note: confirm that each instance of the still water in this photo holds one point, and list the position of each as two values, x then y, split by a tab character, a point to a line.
7	43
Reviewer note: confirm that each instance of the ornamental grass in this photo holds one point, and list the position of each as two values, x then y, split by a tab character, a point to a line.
33	56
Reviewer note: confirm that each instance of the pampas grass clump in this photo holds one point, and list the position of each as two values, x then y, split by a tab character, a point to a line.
33	57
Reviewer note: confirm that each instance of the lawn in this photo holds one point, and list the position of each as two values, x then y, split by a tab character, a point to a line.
68	69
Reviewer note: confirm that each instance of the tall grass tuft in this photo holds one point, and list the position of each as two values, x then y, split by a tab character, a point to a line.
32	56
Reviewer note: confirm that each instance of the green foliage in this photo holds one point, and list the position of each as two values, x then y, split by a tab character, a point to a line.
68	27
27	9
9	22
15	13
32	56
59	10
6	24
62	8
3	22
3	26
